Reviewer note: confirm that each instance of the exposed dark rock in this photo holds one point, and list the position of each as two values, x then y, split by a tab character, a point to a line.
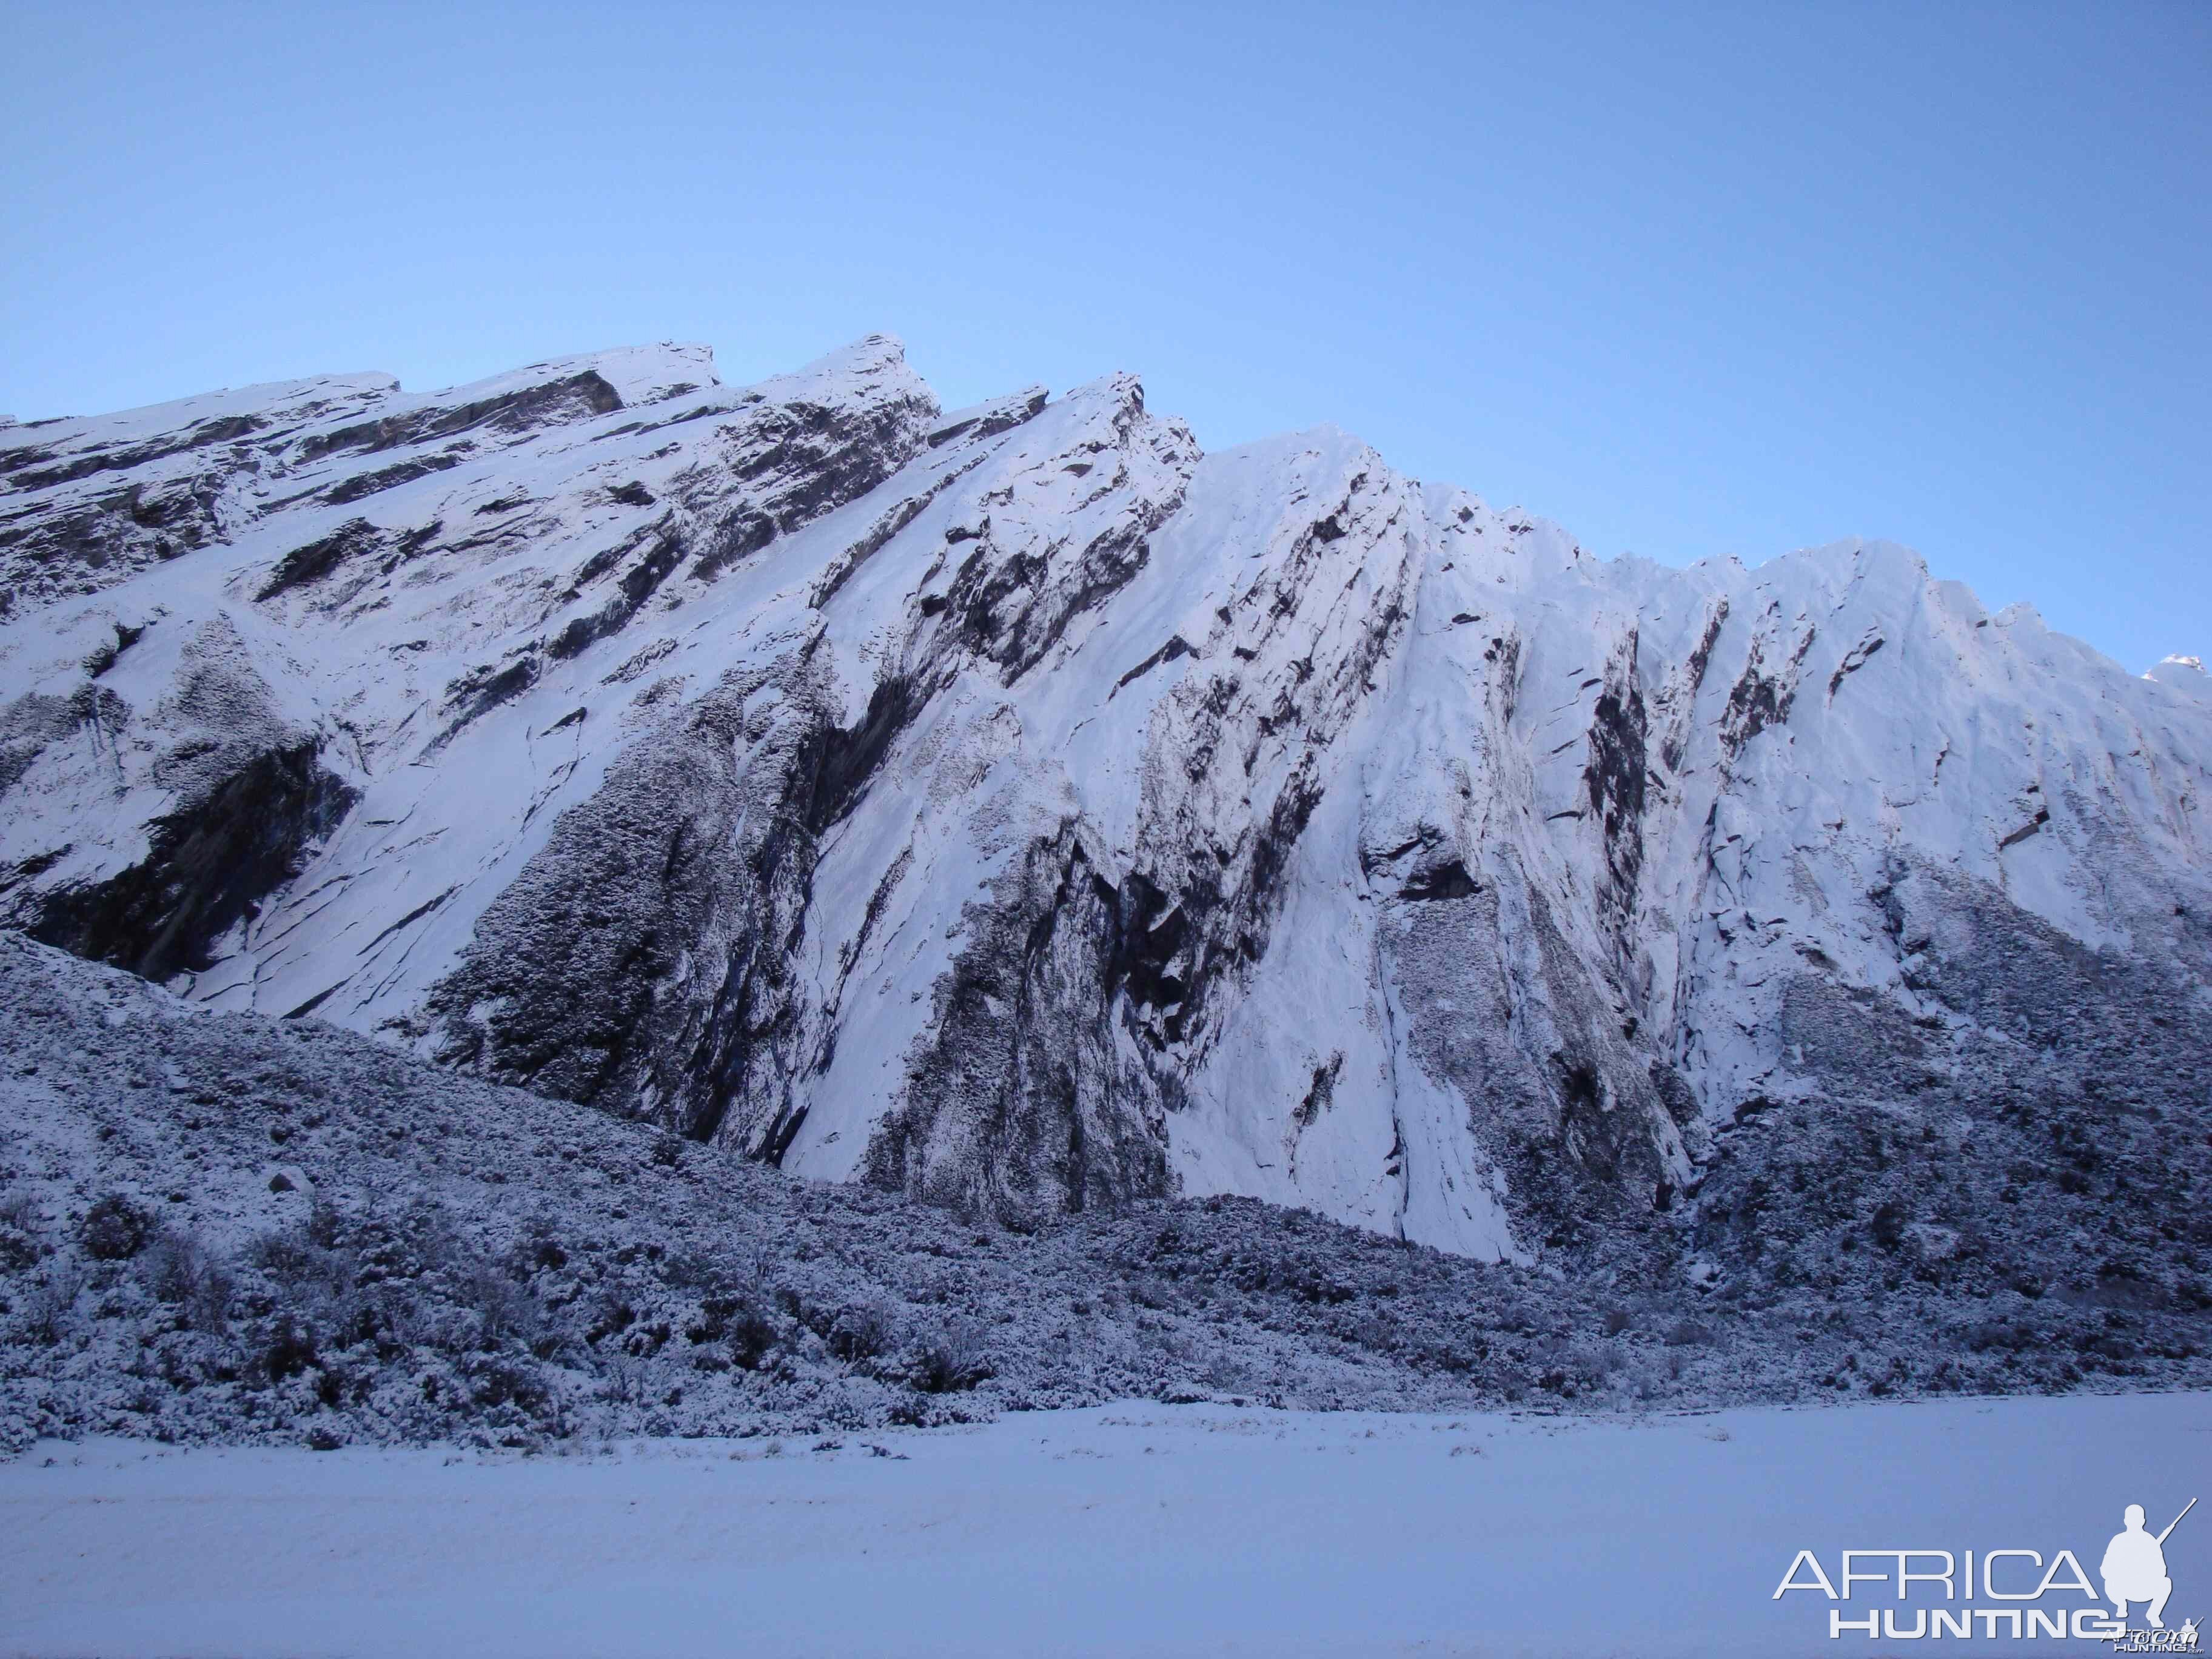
1761	698
357	538
1446	880
27	726
845	760
637	585
1176	646
1020	1105
208	864
992	419
390	477
574	397
476	695
1616	778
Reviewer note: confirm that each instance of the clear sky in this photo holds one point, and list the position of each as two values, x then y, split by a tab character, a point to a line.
1689	280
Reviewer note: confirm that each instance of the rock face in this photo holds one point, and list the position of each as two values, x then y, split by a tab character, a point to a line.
1021	808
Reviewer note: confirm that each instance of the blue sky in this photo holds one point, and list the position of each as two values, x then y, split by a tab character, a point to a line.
1689	280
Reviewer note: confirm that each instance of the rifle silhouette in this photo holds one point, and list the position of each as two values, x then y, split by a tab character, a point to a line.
2176	1520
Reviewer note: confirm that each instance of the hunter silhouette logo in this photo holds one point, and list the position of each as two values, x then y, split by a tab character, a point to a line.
2134	1566
2021	1593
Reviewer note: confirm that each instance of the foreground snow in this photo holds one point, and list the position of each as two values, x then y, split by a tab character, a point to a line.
1142	1529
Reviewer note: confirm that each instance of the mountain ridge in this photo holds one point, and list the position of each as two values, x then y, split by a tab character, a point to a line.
1017	807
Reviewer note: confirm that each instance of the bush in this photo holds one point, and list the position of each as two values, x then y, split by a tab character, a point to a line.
323	1226
1889	1225
498	1382
862	1333
752	1333
209	1308
287	1348
114	1229
950	1359
741	1319
181	1273
538	1249
176	1267
294	1260
625	1380
47	1309
504	1310
18	1250
611	1314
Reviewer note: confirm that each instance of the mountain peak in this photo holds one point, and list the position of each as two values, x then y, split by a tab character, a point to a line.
1020	810
2184	674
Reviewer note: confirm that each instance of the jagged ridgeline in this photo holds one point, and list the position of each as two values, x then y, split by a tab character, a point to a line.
1019	808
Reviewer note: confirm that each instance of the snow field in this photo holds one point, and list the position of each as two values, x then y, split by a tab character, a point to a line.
1132	1530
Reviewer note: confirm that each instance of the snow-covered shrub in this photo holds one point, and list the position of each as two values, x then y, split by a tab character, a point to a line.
610	1315
622	1380
753	1336
19	1209
543	1275
283	1347
18	1250
51	1306
176	1267
950	1357
861	1332
1887	1227
741	1321
539	1248
296	1264
504	1310
114	1229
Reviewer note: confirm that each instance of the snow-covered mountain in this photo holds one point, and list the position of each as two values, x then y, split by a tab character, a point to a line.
1019	807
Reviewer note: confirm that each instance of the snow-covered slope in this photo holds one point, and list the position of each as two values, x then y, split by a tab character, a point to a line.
1018	807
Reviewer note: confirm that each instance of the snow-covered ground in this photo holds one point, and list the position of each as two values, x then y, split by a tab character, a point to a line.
1140	1529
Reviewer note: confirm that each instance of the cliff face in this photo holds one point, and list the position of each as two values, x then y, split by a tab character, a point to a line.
1017	807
